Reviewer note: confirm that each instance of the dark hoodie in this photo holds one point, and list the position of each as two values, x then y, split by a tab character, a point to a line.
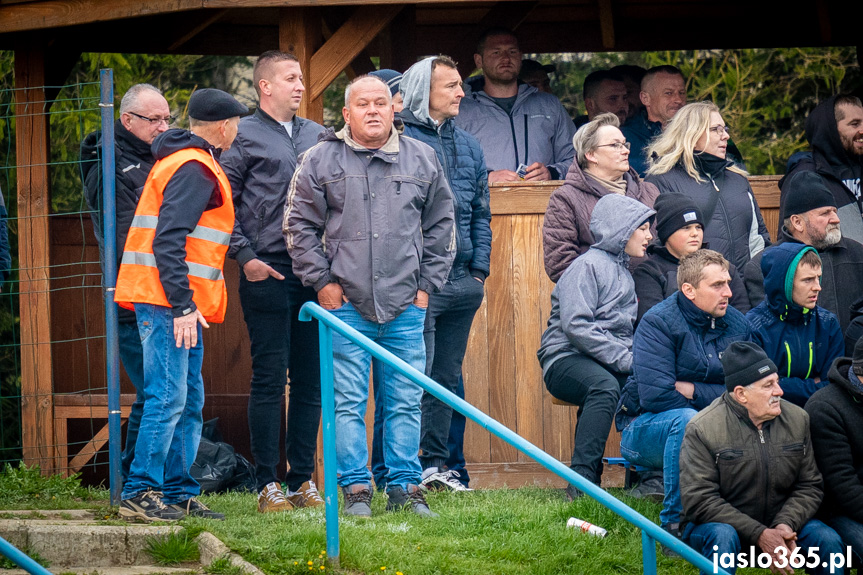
801	342
836	418
133	160
840	171
191	191
656	279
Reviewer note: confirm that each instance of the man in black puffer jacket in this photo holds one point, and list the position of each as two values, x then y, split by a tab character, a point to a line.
144	114
836	417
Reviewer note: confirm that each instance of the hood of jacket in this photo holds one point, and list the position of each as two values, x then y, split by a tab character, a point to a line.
839	377
388	150
415	87
779	265
827	150
613	221
175	140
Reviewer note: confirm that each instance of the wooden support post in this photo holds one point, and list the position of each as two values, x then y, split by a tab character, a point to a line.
606	24
300	33
34	206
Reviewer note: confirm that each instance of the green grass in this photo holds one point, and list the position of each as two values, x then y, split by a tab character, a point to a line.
173	548
25	487
6	563
223	566
485	532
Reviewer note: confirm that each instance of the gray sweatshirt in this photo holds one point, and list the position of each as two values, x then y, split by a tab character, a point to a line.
593	304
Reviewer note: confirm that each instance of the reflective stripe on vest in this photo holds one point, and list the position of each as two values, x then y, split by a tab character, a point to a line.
206	246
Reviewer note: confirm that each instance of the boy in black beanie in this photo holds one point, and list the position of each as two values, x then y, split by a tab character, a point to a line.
680	231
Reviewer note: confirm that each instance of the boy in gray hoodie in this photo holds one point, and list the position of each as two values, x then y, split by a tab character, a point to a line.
586	351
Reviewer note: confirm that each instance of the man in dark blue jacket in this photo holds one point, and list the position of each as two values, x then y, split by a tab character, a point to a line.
259	166
432	93
801	337
676	370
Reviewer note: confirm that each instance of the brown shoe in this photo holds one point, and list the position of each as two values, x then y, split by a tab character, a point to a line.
306	496
272	499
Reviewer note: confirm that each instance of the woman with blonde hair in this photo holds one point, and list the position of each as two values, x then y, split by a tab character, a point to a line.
690	158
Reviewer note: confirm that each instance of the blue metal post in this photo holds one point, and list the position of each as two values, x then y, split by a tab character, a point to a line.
328	413
21	559
648	553
328	321
109	270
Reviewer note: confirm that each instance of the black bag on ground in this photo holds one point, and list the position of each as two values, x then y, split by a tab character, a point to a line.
218	467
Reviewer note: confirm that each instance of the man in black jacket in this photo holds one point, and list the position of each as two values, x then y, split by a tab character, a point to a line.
260	166
834	130
144	114
811	218
836	415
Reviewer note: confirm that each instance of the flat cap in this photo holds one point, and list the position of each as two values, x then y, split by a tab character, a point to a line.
212	105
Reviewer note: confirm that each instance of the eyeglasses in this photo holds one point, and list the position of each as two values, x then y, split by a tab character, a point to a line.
719	129
618	146
169	120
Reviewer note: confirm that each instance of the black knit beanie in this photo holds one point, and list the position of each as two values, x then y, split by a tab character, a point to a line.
857	359
805	191
674	211
745	363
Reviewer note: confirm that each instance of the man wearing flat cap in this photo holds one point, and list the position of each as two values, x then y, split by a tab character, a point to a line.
811	219
171	275
747	472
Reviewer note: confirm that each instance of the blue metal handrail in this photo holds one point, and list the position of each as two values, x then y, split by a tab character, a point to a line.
21	559
650	532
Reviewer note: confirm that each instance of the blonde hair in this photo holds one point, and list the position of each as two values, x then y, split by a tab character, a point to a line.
586	139
677	143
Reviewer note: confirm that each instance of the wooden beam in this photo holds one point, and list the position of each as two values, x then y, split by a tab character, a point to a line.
56	13
346	43
300	33
606	24
203	24
34	206
362	64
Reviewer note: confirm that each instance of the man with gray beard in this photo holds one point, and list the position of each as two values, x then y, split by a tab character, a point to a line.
812	219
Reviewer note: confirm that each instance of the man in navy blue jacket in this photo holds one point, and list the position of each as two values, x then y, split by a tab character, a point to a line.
801	337
432	93
676	370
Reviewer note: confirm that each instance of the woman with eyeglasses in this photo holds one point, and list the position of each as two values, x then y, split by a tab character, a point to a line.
600	167
690	158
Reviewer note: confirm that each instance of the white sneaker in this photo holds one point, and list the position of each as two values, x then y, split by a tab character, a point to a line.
433	479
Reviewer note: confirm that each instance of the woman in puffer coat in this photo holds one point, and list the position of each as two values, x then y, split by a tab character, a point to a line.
690	158
586	351
600	167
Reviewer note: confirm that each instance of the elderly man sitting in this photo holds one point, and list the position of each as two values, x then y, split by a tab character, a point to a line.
748	474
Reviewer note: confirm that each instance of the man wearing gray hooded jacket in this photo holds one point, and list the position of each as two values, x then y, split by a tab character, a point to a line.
516	124
432	93
586	351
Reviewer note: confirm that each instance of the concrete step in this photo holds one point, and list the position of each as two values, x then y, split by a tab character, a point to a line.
134	570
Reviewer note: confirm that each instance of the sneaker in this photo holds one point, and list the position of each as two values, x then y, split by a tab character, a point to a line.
651	487
306	496
673	529
433	479
193	508
398	498
148	507
573	493
272	499
358	500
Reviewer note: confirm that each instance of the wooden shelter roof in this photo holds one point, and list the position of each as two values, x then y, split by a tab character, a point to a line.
248	27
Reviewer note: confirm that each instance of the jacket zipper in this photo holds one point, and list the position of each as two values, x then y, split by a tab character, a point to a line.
788	353
809	371
765	464
724	211
260	227
514	141
455	203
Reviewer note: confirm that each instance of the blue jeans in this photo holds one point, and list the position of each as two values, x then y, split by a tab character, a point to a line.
851	533
447	327
171	422
399	397
814	534
132	357
279	341
653	440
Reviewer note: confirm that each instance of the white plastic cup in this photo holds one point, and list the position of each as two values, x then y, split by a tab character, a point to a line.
585	527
